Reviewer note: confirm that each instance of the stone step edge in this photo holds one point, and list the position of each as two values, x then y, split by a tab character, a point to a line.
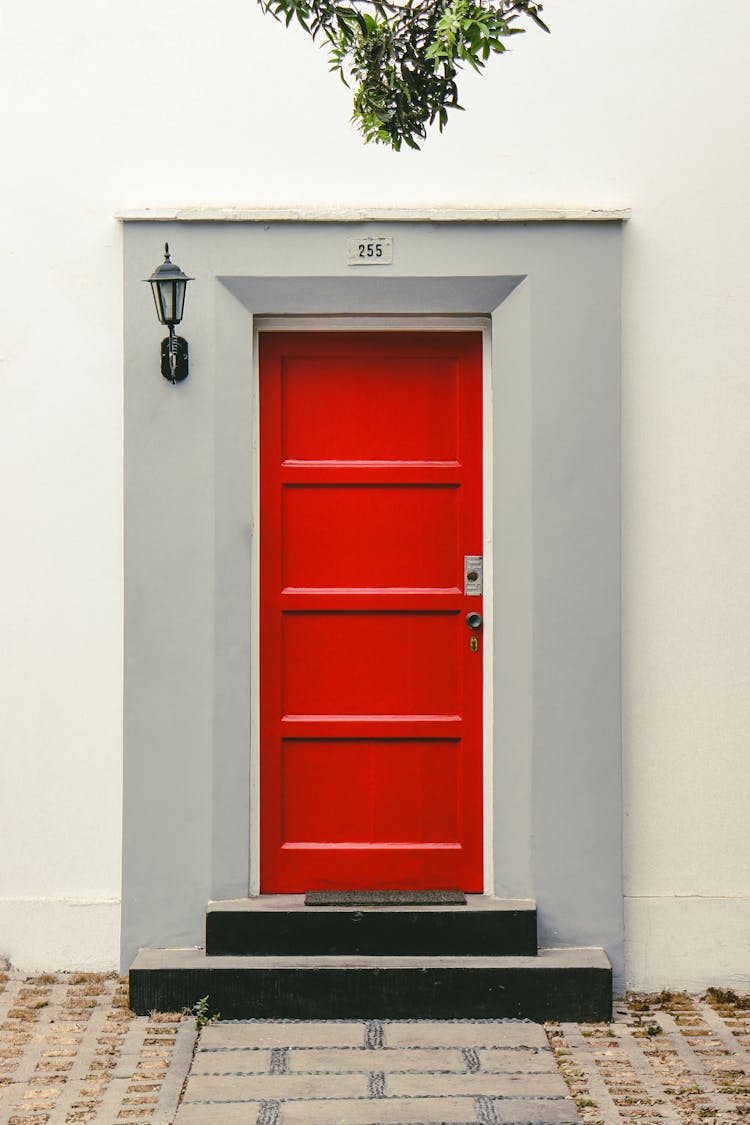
557	957
286	903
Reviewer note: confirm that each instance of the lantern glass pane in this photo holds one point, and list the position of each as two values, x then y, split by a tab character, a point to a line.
157	302
167	300
179	299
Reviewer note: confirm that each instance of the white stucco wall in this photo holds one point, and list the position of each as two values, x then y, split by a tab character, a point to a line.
181	103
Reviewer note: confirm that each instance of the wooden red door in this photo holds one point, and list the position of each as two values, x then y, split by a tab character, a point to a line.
371	685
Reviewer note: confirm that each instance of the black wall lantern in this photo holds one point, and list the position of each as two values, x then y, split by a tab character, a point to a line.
168	285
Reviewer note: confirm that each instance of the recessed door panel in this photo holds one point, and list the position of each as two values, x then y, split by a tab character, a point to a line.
371	678
409	536
363	408
375	794
370	663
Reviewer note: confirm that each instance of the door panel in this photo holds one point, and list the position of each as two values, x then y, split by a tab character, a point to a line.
371	663
409	536
371	695
367	416
363	800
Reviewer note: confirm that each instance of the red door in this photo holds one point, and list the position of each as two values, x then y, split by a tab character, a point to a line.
371	685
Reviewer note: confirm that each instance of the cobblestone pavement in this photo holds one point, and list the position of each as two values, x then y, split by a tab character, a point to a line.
71	1051
669	1058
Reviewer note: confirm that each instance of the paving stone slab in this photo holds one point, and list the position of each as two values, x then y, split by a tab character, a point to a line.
419	1059
242	1113
532	1113
255	1087
501	1060
465	1033
237	1061
380	1111
281	1033
493	1085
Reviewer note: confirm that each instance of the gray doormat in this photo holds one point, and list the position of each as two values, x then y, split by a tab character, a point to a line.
385	898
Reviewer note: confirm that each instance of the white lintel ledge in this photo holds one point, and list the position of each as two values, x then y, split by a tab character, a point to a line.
374	214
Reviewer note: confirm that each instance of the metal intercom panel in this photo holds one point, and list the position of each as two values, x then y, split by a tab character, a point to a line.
473	575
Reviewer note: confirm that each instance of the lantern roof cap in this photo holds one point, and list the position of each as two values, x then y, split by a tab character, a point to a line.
168	270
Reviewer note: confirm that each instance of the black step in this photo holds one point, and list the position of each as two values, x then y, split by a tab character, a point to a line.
559	984
282	925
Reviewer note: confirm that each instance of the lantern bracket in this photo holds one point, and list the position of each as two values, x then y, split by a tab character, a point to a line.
174	358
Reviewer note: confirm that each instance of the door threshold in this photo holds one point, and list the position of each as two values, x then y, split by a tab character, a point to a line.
296	902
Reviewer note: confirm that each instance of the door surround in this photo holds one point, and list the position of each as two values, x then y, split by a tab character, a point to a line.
551	284
354	323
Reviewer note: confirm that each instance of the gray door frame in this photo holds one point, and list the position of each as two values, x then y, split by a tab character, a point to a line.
552	291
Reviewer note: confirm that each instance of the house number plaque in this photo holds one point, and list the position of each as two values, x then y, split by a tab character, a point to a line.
370	251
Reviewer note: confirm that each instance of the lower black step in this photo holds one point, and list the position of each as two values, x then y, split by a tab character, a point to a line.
282	925
559	984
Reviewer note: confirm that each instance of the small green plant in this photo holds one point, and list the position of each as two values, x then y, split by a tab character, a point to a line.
200	1010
